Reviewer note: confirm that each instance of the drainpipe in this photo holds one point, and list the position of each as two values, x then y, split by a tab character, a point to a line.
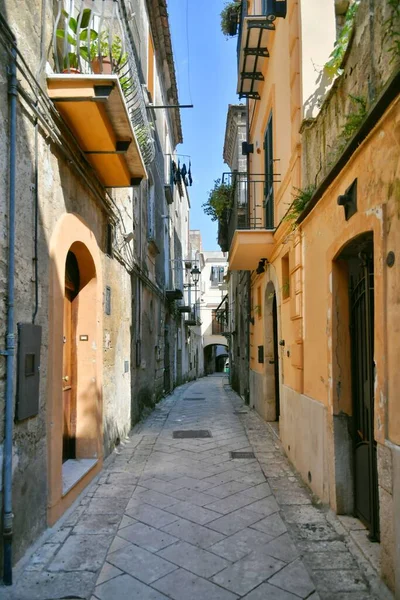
10	338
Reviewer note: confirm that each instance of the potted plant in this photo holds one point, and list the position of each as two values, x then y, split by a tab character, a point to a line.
230	17
104	59
219	201
79	39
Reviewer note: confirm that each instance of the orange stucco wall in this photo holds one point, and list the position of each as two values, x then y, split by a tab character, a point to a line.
326	232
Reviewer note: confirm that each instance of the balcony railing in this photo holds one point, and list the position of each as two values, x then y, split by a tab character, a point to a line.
252	203
252	50
222	316
93	38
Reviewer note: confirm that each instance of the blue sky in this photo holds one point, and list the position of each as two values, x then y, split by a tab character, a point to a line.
211	70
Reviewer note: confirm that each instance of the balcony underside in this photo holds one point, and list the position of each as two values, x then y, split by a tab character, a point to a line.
248	247
94	108
253	54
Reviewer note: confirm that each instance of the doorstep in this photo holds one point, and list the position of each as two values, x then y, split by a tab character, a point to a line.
73	470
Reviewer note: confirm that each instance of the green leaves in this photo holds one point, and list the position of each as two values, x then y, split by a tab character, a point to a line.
83	41
219	200
301	198
332	67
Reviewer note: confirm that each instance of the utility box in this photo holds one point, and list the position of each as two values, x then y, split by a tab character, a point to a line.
28	370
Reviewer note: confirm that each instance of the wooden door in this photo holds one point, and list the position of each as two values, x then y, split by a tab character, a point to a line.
69	353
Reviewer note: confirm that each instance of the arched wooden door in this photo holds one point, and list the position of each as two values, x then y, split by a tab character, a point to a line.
72	281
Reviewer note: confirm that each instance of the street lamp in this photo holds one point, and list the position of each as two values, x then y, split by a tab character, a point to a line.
195	273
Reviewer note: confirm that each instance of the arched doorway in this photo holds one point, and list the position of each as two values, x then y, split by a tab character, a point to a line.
75	363
354	310
215	357
271	360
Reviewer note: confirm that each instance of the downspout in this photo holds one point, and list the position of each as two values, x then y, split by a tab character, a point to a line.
10	338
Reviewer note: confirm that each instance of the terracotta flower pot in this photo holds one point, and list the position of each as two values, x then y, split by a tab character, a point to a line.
72	70
103	66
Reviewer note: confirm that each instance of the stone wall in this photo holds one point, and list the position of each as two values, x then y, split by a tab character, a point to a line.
367	66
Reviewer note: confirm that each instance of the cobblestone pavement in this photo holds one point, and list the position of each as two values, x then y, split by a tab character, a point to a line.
181	519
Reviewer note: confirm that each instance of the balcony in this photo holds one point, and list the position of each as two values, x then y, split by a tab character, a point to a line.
94	109
249	223
252	49
221	321
97	92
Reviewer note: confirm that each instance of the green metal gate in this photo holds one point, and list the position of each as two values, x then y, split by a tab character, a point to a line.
362	359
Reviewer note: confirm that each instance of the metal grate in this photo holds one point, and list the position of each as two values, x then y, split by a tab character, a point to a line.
242	454
191	433
195	398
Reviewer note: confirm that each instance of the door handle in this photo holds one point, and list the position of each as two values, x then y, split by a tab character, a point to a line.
65	378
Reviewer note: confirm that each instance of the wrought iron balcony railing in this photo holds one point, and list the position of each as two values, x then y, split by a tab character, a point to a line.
222	317
93	38
252	204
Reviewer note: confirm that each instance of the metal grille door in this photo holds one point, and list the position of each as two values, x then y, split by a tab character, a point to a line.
362	353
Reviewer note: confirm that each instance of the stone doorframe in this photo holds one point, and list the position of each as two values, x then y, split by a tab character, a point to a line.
71	233
339	362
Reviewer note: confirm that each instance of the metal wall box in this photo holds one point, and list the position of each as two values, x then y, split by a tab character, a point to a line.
28	370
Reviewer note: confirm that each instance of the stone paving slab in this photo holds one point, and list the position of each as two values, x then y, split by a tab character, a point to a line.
181	520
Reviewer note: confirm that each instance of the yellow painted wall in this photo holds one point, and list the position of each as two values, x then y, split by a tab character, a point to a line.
280	93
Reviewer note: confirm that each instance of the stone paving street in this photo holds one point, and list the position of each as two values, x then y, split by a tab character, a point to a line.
181	519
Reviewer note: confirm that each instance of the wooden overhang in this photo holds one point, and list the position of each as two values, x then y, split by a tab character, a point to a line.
248	247
253	54
94	108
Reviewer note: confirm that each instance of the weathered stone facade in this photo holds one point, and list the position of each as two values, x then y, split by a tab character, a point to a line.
122	241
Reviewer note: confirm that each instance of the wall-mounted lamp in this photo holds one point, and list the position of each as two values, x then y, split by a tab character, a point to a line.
261	266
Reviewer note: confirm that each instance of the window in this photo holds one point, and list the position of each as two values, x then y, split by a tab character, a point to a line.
285	277
150	68
109	239
259	308
269	176
217	275
151	224
216	325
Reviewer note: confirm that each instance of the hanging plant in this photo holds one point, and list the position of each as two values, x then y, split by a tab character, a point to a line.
230	18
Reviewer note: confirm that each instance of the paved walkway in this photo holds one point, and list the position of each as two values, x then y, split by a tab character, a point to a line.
180	519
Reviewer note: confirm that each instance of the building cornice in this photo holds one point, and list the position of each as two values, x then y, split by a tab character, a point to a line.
159	24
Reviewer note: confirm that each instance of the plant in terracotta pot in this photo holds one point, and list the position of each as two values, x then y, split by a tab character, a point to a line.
105	58
230	18
79	37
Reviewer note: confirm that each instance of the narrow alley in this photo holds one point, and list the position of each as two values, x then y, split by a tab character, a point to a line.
182	518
